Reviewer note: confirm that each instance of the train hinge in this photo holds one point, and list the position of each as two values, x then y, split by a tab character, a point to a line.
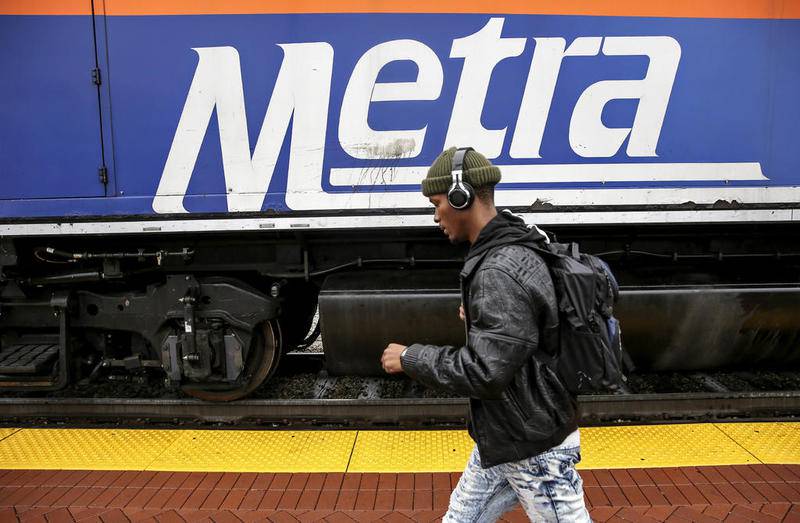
102	173
96	78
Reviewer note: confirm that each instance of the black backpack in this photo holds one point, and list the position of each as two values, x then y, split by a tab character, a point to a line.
590	356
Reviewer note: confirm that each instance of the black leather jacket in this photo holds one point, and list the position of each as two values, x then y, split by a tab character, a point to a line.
518	407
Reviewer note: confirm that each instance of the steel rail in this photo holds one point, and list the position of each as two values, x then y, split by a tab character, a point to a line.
610	409
406	412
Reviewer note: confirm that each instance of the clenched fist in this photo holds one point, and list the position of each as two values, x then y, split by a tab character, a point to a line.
390	360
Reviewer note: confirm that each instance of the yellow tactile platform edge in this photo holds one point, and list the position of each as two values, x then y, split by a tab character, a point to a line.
410	451
4	433
381	451
660	446
769	442
258	451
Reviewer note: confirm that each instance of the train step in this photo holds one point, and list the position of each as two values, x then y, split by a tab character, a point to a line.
34	362
28	358
38	360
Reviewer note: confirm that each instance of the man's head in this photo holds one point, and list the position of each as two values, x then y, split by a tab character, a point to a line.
462	224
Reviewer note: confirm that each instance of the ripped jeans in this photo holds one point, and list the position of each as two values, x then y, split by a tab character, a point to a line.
546	485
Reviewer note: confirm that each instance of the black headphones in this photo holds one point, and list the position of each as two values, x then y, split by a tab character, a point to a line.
461	194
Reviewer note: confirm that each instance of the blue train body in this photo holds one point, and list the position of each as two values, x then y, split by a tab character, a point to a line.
331	113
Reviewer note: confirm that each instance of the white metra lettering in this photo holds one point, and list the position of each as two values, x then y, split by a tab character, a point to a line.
538	95
358	139
481	52
589	137
301	94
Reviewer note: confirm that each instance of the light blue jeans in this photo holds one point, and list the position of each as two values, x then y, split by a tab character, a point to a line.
546	485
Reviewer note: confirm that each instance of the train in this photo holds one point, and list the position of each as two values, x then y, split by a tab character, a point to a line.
186	185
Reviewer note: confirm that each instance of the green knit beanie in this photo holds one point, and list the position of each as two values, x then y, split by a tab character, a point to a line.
478	171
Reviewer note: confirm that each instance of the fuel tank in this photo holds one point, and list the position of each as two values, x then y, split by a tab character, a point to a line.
663	328
362	313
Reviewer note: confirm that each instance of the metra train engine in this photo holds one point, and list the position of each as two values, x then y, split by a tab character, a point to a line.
185	183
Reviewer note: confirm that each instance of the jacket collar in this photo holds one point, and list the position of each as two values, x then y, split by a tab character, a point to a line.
505	228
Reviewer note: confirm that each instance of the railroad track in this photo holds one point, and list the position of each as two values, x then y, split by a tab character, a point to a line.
370	413
303	395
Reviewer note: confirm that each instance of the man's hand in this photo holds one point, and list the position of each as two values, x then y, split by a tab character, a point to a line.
390	361
461	312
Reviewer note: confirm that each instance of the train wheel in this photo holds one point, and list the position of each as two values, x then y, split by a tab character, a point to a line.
262	361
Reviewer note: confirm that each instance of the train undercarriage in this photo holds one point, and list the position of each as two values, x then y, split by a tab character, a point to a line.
212	314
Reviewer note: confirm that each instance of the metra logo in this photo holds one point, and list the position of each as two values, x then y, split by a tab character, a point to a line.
302	95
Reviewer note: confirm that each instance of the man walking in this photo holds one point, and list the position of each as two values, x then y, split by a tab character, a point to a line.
521	417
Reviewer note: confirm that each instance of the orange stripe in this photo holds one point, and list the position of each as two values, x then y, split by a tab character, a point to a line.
771	9
45	7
